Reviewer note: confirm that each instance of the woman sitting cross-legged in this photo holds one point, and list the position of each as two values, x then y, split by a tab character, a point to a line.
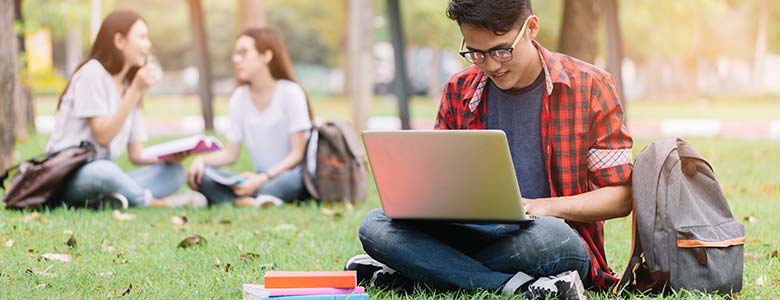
101	105
269	113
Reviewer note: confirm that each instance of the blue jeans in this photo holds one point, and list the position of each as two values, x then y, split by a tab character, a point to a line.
450	256
287	186
103	177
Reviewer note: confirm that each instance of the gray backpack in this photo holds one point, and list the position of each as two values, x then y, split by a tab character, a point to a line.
335	165
684	234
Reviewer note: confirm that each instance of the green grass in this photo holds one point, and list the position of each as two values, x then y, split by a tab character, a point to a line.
111	255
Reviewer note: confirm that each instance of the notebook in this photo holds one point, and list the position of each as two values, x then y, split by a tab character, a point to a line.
315	279
194	144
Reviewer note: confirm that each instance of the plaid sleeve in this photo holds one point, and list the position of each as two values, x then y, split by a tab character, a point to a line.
609	156
444	118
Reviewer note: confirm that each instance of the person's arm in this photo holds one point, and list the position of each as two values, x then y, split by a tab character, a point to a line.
134	150
293	159
224	157
221	158
105	128
602	204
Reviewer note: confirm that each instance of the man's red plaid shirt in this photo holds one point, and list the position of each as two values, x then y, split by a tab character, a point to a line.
584	139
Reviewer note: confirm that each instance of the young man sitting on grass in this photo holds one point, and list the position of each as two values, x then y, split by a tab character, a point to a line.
571	152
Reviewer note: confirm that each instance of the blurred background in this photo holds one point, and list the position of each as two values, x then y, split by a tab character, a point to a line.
692	68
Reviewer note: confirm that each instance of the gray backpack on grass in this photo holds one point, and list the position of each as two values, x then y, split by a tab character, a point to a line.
684	234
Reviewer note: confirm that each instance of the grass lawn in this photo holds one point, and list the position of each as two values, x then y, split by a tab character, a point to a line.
112	255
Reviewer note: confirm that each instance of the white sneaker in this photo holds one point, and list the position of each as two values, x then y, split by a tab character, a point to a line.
265	201
564	286
377	275
192	199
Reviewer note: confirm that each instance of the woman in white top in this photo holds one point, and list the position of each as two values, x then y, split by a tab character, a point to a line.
270	114
101	104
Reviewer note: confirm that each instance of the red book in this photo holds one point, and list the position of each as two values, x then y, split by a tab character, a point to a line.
287	279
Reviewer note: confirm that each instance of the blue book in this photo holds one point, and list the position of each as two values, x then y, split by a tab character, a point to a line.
357	296
224	180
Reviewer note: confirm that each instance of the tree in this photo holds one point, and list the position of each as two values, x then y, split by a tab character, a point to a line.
9	74
22	103
251	13
761	49
578	36
614	45
401	81
359	61
432	29
200	45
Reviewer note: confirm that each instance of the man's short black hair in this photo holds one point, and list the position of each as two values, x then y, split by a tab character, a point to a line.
498	16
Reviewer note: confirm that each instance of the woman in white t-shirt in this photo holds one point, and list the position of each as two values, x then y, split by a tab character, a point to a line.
269	113
101	104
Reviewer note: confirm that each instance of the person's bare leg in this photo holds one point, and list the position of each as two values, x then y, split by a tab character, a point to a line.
244	201
157	203
262	201
191	198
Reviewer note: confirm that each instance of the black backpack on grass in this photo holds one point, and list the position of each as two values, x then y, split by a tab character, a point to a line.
684	234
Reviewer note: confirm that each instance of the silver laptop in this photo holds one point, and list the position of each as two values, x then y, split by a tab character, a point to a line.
454	175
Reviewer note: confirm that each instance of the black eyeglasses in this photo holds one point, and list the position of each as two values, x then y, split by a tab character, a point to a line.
499	54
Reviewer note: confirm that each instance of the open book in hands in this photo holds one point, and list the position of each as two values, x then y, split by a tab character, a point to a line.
230	180
194	145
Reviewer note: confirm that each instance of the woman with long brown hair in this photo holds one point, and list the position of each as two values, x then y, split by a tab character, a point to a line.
268	112
101	104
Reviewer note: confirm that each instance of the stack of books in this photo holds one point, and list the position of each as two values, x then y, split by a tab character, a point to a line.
286	285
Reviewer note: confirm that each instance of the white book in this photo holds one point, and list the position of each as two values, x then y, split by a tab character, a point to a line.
194	145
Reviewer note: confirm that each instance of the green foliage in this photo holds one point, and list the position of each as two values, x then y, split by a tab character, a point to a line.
48	82
691	29
58	16
426	24
305	44
171	33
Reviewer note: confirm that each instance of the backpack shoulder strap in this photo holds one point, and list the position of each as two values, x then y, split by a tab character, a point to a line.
635	260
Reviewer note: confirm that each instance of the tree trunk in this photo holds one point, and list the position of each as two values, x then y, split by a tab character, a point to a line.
20	114
578	36
20	101
614	46
434	89
29	109
346	83
359	61
27	100
95	18
251	13
761	49
202	60
8	78
401	81
73	53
